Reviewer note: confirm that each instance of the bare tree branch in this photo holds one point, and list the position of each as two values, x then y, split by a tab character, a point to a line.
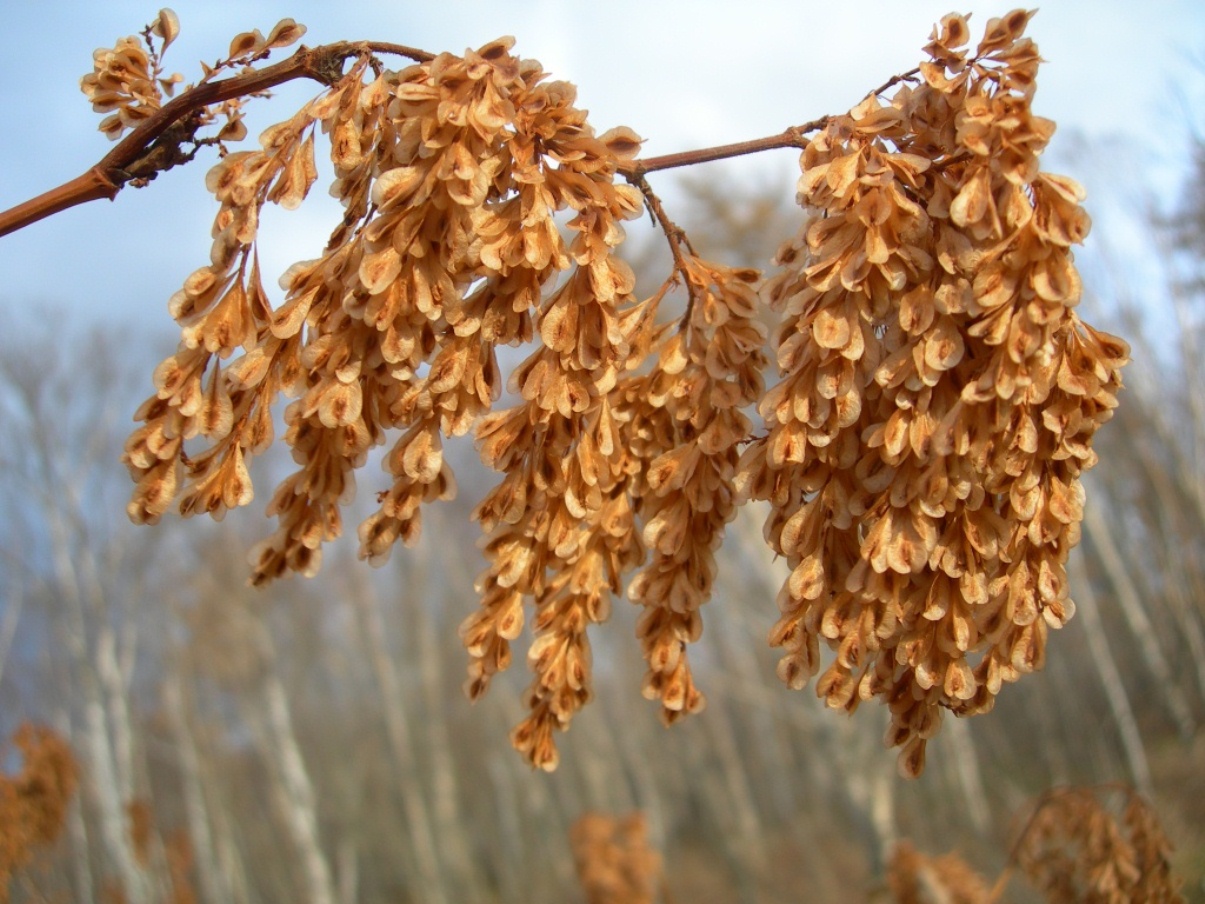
142	154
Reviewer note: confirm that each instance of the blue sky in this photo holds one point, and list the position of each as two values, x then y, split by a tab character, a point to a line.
682	74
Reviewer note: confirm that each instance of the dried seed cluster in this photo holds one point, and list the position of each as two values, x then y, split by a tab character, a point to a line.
1074	849
915	878
921	454
939	394
127	81
615	862
34	802
688	423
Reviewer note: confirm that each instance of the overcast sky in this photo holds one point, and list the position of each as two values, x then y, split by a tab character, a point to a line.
682	74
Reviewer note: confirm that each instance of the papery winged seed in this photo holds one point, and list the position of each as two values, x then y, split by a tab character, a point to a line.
297	178
878	251
111	127
339	404
394	184
573	504
379	269
238	490
1065	502
943	345
450	367
166	26
830	330
667	471
622	142
215	417
842	173
284	33
1003	31
509	617
245	43
1055	279
806	581
849	408
288	318
971	203
422	456
559	325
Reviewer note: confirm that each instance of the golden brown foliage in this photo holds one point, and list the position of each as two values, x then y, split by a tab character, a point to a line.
180	865
921	454
614	860
1075	849
33	803
1072	848
915	878
141	828
940	394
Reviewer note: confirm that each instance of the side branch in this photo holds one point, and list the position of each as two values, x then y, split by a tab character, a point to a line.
322	64
676	237
794	137
139	155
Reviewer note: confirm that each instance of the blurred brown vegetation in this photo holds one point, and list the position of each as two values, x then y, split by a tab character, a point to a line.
311	742
33	803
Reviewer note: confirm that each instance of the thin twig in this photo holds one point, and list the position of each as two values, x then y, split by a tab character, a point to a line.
104	180
793	137
674	234
895	80
323	64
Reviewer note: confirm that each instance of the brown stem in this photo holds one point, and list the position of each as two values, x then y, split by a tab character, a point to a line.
793	137
895	80
104	180
91	186
323	64
676	237
673	232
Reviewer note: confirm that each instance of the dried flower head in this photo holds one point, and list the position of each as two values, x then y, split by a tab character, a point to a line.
939	395
33	803
1075	848
126	83
614	860
915	878
921	453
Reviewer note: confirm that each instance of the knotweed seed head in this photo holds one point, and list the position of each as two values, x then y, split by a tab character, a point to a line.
926	441
34	802
1097	844
921	452
614	860
915	878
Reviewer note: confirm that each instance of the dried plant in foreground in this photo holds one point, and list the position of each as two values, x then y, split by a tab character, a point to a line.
33	803
1074	848
915	878
925	446
614	860
921	451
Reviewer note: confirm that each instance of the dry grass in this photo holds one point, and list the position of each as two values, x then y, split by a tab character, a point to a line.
33	803
1072	848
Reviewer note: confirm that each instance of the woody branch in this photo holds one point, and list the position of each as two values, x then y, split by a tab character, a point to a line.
156	145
